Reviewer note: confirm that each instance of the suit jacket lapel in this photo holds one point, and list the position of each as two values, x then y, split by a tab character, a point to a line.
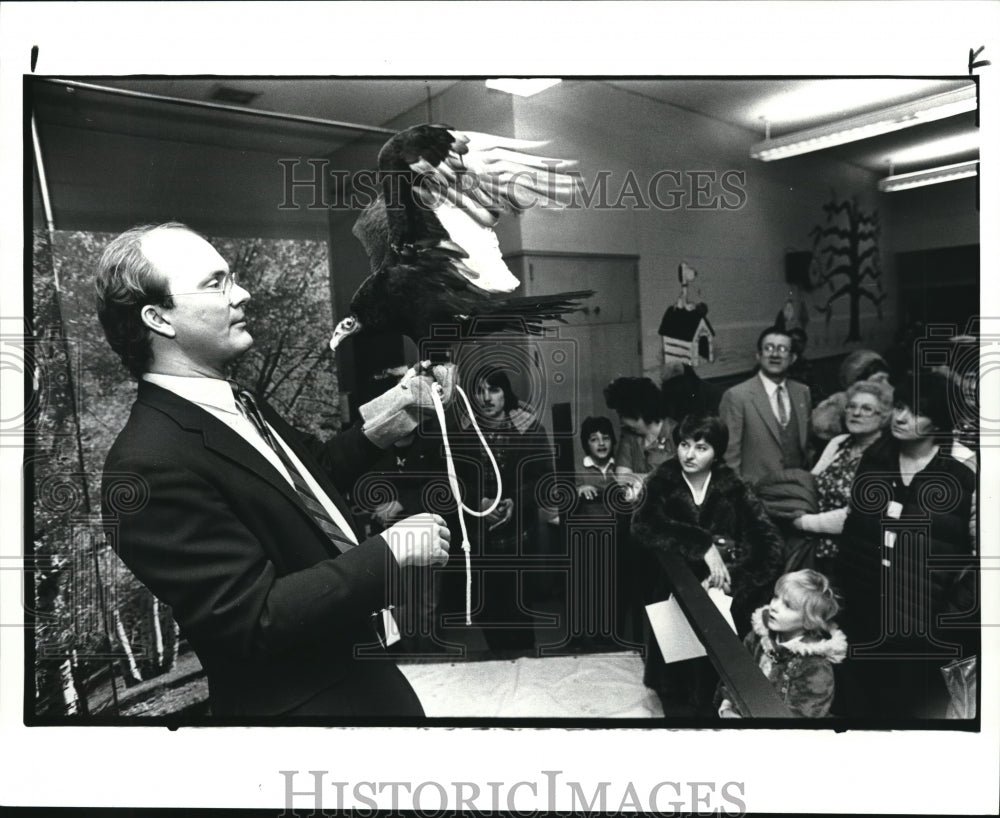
291	437
219	438
758	396
797	394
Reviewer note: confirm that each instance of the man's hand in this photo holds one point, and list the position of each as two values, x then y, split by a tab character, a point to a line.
500	515
394	413
419	540
422	378
587	492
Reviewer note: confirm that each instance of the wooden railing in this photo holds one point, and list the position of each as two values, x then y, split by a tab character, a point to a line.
749	689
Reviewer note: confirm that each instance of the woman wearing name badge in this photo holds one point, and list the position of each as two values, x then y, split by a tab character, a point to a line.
912	504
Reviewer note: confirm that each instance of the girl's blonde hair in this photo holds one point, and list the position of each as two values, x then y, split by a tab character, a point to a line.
810	592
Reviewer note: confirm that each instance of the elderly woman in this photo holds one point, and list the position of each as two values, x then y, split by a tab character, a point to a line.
646	439
827	420
866	415
911	510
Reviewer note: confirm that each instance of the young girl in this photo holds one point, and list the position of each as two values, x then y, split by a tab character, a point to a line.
597	436
796	644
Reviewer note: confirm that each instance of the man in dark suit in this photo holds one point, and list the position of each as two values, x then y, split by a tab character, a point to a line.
234	518
768	415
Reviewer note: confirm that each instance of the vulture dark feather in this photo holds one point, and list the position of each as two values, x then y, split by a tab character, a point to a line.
435	260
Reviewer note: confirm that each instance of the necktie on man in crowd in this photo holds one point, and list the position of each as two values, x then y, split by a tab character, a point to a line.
246	401
782	408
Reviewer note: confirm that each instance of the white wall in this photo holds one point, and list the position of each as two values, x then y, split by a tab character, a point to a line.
739	253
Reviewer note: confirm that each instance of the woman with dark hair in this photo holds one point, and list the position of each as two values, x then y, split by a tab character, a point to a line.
524	456
912	504
696	506
646	430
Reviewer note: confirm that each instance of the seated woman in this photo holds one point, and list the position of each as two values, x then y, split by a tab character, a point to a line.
912	502
695	506
869	405
646	430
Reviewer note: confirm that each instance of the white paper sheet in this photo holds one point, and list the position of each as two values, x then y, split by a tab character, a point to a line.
673	633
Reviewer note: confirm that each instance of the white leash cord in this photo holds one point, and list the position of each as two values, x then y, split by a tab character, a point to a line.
456	490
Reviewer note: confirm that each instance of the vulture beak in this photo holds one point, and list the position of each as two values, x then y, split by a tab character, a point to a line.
348	326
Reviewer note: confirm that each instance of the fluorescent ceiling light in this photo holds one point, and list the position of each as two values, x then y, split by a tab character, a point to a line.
864	126
959	146
522	87
931	176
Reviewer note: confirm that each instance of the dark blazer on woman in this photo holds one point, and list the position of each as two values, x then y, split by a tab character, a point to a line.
274	611
929	524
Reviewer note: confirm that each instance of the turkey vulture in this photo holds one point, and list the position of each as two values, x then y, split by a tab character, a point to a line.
429	235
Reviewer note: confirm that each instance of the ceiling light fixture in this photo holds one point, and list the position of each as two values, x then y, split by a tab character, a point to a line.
931	176
864	126
522	87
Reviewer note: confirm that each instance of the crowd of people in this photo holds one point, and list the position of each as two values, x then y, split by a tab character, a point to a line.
825	516
297	568
877	533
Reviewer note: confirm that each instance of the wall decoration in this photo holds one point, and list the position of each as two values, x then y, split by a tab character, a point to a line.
846	257
687	334
794	314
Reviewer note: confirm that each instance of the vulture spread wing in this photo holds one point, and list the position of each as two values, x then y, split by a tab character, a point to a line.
429	234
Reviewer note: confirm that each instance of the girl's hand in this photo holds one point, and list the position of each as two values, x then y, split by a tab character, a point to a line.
797	522
587	492
718	574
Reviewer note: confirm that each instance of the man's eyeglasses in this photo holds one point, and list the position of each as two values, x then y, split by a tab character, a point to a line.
770	349
865	411
219	284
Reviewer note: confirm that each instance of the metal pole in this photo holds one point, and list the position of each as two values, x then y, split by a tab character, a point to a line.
217	106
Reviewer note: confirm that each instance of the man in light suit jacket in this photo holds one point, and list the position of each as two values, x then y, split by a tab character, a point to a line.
768	415
235	519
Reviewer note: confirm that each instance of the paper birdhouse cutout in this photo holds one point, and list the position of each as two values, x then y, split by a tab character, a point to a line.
687	334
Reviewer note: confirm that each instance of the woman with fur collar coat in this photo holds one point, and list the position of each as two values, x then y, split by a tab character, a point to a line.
800	669
694	505
669	519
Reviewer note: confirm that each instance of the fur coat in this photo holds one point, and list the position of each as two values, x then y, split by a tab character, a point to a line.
667	518
801	669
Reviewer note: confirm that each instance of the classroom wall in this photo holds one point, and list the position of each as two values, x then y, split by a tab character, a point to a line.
736	240
734	229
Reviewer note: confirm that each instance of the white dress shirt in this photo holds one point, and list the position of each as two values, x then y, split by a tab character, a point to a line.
590	463
215	396
772	395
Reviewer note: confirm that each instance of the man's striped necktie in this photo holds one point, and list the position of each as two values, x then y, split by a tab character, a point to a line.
248	404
